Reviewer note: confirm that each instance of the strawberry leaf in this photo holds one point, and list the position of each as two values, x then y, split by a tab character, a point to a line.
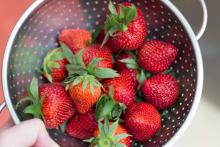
141	77
121	136
34	88
106	125
84	85
112	8
113	127
104	73
57	54
63	127
120	145
52	64
79	59
68	53
91	67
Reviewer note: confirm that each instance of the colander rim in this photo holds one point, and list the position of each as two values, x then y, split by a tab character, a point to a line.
178	14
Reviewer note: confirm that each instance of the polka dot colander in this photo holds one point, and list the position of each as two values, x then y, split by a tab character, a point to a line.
37	31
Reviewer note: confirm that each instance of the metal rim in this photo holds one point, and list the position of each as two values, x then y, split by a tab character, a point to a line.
185	24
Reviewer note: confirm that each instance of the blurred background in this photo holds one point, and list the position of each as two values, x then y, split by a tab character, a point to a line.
203	131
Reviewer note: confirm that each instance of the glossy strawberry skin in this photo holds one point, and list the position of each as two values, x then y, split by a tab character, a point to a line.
119	130
57	106
95	51
142	120
156	56
123	69
123	89
161	90
75	39
84	99
82	126
59	74
134	37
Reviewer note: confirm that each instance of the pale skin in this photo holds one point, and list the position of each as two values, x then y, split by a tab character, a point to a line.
28	133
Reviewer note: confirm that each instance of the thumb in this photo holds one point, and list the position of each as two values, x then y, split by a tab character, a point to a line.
28	133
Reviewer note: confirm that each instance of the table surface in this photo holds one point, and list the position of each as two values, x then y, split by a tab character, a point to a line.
203	131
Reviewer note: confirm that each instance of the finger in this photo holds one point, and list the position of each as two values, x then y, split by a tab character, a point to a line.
28	133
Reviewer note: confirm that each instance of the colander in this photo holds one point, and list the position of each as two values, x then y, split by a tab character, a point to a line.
37	31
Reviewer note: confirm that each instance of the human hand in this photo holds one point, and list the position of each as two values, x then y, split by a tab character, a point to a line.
28	133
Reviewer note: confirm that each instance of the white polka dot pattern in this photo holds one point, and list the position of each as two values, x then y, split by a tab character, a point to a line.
39	34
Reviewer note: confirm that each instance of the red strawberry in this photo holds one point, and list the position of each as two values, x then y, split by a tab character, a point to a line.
132	76
114	135
119	65
82	126
161	90
95	51
126	27
123	89
54	66
156	56
52	102
110	45
84	99
142	120
75	39
125	70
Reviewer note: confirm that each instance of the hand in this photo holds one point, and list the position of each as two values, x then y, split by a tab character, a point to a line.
28	133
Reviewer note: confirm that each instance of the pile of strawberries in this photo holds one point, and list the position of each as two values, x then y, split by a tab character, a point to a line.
107	87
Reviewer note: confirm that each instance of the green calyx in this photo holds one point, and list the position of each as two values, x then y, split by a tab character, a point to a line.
130	63
106	137
79	73
118	21
35	107
108	107
50	62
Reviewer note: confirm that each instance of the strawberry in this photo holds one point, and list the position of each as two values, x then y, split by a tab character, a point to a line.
75	39
82	126
142	120
52	103
95	51
161	90
123	89
125	27
156	56
128	69
100	39
53	67
82	83
111	135
84	99
132	75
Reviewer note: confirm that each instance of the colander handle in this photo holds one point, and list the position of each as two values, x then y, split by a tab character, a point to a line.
205	19
2	106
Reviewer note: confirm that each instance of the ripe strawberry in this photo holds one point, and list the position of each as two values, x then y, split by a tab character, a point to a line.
100	39
95	51
75	39
123	89
84	99
110	134
131	74
125	26
82	126
84	88
53	67
119	65
127	69
161	90
142	120
52	103
156	56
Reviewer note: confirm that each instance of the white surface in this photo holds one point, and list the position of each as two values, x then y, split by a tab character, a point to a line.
205	127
